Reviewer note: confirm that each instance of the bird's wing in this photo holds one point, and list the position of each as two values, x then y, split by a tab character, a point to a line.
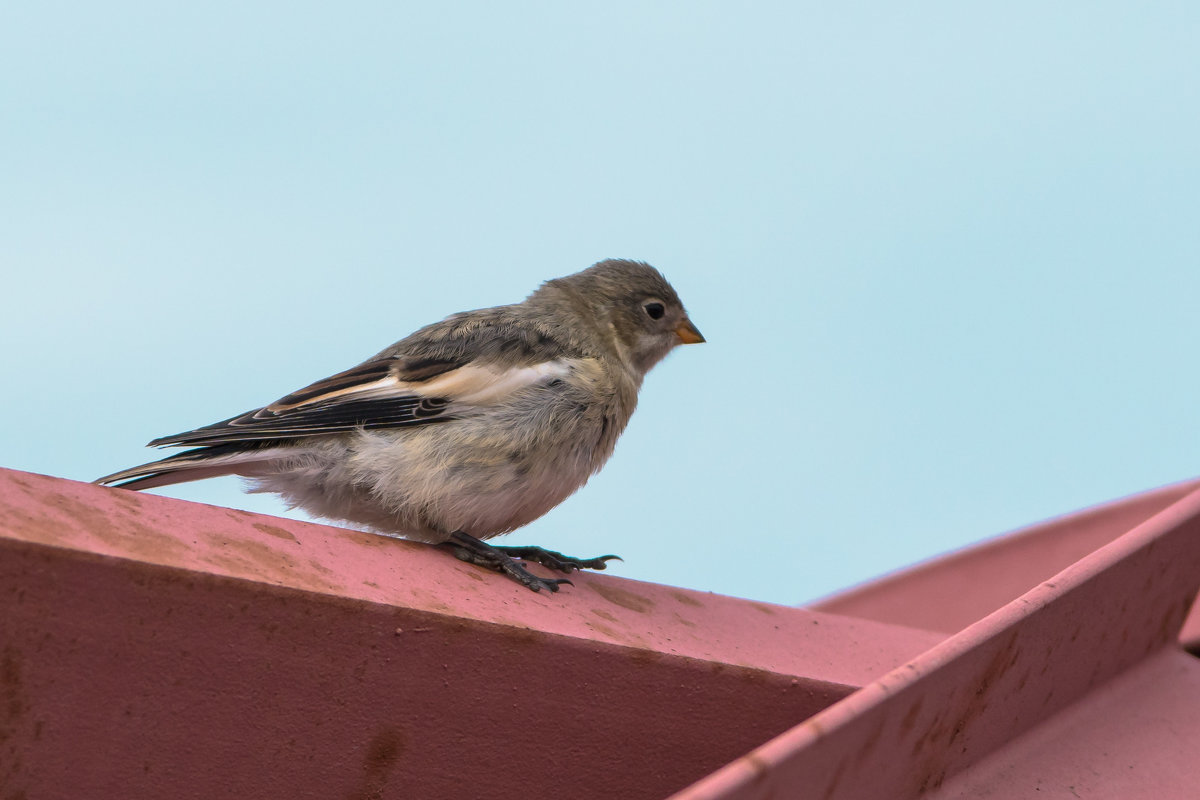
385	392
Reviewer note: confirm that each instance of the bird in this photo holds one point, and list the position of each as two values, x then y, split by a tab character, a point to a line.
467	429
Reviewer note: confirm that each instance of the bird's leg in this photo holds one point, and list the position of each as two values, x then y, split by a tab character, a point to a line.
555	560
467	548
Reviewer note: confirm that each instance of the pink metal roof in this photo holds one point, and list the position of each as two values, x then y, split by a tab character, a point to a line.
157	648
970	708
951	592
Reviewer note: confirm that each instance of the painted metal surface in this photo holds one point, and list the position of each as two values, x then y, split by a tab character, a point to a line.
1135	737
952	591
964	718
155	648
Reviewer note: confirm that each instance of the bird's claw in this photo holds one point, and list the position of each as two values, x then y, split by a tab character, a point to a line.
468	548
550	584
552	559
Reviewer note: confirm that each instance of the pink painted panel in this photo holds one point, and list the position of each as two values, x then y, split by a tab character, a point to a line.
353	565
1136	737
1056	647
952	591
154	648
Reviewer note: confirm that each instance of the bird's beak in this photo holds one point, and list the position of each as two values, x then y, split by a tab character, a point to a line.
687	332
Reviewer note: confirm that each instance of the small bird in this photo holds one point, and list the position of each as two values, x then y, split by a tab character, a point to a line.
467	429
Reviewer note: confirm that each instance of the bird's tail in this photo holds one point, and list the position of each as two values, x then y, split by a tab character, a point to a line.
192	465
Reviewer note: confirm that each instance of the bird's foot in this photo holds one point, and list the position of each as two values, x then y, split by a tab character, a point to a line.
555	560
467	548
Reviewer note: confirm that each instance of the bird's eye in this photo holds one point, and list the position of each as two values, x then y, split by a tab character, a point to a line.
655	310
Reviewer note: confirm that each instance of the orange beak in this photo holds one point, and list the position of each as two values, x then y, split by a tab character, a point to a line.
687	332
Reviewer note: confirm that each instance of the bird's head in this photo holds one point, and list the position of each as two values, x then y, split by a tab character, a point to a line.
635	305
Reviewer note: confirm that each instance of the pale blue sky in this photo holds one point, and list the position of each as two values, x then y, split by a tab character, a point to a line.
947	256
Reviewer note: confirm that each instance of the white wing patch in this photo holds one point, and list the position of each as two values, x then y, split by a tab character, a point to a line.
378	402
467	385
481	385
380	388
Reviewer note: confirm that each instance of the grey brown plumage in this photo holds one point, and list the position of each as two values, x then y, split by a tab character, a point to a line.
477	424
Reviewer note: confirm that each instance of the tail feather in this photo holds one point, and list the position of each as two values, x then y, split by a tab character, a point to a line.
192	465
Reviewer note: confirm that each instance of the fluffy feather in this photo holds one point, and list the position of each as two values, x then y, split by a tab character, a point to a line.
477	424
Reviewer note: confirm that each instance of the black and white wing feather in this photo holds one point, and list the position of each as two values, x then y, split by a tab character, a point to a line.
437	375
383	393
